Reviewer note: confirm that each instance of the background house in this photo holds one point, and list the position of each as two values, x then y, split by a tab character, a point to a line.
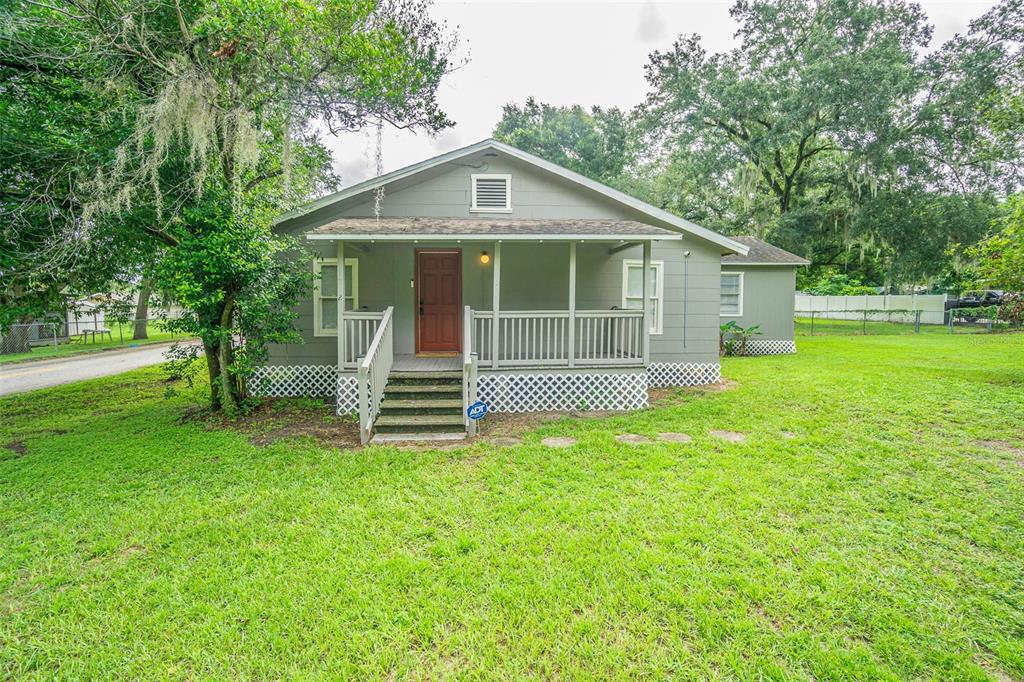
759	288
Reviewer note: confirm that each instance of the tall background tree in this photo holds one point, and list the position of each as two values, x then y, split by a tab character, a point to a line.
834	128
200	124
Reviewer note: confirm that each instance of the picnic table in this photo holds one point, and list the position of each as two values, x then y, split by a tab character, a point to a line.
86	334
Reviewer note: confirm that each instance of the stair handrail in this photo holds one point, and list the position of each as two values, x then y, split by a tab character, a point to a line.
468	370
373	374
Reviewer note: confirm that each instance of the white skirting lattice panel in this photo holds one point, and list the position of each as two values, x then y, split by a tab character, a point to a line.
770	347
348	395
683	373
293	381
562	392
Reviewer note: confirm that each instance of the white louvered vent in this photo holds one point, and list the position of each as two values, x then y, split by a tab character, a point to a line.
492	193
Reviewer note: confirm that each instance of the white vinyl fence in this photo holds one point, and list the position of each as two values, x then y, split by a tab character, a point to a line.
932	306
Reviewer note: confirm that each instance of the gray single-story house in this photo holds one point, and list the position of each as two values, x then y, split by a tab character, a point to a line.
759	288
488	274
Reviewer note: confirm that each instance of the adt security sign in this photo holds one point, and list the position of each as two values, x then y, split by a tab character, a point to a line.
477	410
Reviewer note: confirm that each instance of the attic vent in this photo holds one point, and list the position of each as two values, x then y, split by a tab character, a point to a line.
492	193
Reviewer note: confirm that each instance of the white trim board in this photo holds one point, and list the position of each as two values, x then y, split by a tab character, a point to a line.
489	144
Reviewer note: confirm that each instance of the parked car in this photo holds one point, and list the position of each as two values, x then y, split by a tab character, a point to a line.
976	299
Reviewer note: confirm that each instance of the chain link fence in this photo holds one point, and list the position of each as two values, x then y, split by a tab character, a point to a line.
880	322
49	337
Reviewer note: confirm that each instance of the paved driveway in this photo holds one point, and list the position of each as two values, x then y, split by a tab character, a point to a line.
28	376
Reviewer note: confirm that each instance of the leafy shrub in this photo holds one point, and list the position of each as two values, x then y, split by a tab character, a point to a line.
839	284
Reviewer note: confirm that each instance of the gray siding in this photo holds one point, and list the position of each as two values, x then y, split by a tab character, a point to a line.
534	275
768	298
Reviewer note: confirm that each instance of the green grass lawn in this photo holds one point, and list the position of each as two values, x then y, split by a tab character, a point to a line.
870	527
121	338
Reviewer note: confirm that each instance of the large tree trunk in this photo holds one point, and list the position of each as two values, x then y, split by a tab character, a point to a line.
142	310
225	391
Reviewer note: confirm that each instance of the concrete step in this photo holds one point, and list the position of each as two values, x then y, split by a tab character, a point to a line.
382	438
423	388
421	404
414	420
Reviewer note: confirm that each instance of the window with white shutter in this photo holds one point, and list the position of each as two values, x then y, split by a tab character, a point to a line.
491	193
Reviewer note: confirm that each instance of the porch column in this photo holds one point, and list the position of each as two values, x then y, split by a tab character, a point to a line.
646	303
340	272
572	305
496	299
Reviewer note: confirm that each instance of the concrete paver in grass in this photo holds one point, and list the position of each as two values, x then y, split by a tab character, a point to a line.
633	439
505	441
675	437
731	436
559	442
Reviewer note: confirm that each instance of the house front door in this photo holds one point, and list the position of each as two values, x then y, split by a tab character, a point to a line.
439	297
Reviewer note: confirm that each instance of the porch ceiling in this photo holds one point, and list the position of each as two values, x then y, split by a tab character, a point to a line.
487	229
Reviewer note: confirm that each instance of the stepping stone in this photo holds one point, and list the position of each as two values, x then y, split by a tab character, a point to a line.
731	436
559	442
675	437
788	435
633	439
504	441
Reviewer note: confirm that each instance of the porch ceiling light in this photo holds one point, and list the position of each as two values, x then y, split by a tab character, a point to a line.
485	258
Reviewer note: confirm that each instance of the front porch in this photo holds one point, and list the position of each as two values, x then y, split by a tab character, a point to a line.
491	336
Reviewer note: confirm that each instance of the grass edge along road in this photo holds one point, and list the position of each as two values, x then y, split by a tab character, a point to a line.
870	526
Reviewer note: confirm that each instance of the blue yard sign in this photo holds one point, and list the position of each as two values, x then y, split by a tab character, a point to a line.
477	410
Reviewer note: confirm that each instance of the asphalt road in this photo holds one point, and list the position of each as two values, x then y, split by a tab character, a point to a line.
28	376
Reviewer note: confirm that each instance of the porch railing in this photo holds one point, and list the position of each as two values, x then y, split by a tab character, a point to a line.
557	338
360	329
468	370
373	373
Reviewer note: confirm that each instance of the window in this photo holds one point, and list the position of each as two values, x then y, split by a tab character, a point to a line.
325	293
732	294
492	193
632	290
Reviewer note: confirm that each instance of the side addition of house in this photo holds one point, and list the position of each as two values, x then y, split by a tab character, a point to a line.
491	275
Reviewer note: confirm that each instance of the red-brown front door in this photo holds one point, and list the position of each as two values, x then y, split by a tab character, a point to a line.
439	297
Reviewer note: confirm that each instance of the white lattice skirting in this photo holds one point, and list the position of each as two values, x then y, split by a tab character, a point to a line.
683	373
770	347
562	392
348	395
294	381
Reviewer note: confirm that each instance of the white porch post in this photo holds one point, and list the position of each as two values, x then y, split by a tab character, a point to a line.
496	299
340	271
571	336
646	303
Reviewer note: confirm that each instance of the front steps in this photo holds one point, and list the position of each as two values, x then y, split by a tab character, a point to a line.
421	406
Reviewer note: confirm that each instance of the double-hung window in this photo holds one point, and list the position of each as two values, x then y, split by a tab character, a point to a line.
325	293
731	294
633	292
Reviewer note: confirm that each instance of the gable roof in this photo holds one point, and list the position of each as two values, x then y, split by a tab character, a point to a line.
643	207
762	253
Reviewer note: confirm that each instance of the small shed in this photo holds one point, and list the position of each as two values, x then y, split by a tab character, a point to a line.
759	289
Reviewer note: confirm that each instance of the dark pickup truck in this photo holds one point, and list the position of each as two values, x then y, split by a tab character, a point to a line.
976	299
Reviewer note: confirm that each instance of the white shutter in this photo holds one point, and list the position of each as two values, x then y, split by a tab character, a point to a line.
492	193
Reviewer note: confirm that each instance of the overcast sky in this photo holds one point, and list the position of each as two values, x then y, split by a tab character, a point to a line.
561	53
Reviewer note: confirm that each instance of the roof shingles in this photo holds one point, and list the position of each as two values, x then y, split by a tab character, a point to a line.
762	253
456	227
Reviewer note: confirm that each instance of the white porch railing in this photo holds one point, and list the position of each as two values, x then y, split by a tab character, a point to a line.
558	338
360	329
373	373
468	370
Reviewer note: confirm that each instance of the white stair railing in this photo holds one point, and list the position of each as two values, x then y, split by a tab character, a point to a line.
468	370
373	374
360	329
